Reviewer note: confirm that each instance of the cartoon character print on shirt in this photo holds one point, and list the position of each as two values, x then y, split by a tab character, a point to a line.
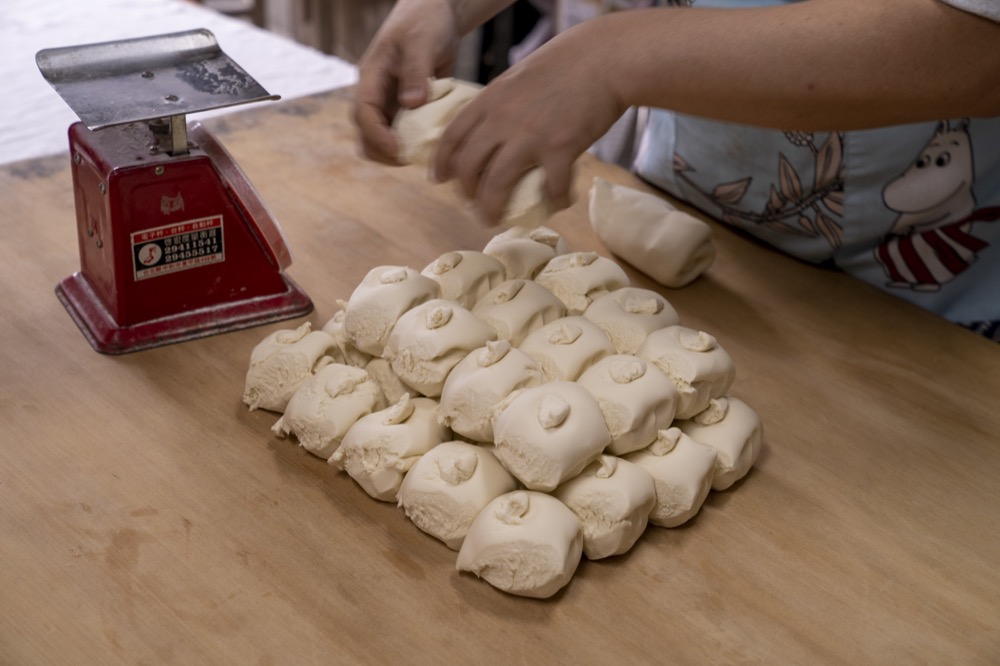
931	240
793	207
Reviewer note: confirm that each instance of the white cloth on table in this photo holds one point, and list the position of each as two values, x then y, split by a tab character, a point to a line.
34	119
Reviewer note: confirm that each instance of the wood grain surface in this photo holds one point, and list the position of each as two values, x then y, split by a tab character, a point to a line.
147	517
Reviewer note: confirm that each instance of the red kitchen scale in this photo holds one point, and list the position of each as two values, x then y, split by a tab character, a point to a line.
175	242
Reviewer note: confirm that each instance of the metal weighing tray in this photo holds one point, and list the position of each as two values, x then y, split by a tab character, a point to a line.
146	78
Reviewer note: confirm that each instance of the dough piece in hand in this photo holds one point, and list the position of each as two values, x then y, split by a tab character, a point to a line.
327	405
349	354
578	278
528	207
518	307
670	246
613	499
419	130
548	434
629	314
636	398
682	472
734	430
282	362
380	300
465	276
524	252
567	347
480	382
430	340
447	487
524	543
694	361
379	449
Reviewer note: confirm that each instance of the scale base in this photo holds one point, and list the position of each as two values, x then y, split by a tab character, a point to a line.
107	337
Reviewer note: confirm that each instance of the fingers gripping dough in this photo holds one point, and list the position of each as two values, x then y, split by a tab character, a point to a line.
666	244
419	130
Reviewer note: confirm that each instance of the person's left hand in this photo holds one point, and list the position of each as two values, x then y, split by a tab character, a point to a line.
545	111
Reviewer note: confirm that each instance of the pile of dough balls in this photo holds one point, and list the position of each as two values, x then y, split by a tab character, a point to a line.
524	405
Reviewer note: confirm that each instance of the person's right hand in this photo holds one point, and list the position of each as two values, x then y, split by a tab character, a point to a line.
418	40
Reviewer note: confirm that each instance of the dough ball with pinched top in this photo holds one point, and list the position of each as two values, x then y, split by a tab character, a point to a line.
327	405
282	362
547	434
636	399
480	382
629	314
694	361
429	340
578	278
465	276
379	449
524	252
524	543
566	347
682	471
517	307
734	430
613	498
380	300
447	487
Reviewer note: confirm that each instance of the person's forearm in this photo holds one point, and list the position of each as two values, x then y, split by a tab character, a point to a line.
817	65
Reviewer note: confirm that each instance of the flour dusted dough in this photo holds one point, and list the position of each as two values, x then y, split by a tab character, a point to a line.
327	405
524	252
480	382
465	276
567	347
348	353
393	388
524	543
379	449
734	430
694	361
383	296
613	498
636	398
547	434
666	244
578	278
682	472
419	130
629	314
447	487
517	307
282	362
429	340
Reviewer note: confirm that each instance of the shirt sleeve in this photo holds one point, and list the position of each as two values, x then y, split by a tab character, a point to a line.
986	8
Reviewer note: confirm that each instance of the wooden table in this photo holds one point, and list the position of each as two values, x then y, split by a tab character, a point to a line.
148	517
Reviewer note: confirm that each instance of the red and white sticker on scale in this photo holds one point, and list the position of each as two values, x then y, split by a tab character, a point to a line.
177	247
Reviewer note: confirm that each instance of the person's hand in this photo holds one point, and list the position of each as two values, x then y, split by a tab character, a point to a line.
418	40
545	111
